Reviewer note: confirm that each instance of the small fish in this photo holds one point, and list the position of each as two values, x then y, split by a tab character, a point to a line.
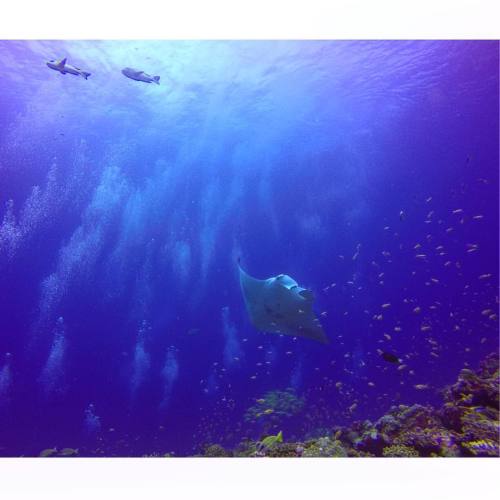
401	216
484	276
68	452
385	306
421	387
457	211
390	358
268	411
477	217
48	452
417	310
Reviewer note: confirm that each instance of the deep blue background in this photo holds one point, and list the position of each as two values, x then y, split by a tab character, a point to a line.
285	154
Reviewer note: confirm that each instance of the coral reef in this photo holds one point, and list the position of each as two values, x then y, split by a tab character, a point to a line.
471	409
275	405
215	450
283	450
467	424
324	447
417	427
399	450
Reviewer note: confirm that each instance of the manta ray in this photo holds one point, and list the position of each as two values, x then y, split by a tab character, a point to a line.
280	305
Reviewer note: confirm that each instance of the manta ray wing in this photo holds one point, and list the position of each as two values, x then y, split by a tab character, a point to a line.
254	294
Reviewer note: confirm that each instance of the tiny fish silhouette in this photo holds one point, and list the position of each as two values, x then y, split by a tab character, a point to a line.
389	357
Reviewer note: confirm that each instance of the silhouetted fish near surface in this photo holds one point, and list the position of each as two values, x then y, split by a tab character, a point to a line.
63	67
391	358
140	76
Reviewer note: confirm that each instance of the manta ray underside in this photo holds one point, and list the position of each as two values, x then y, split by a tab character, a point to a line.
280	305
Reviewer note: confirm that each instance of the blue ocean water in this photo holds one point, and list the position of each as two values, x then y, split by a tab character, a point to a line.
365	170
